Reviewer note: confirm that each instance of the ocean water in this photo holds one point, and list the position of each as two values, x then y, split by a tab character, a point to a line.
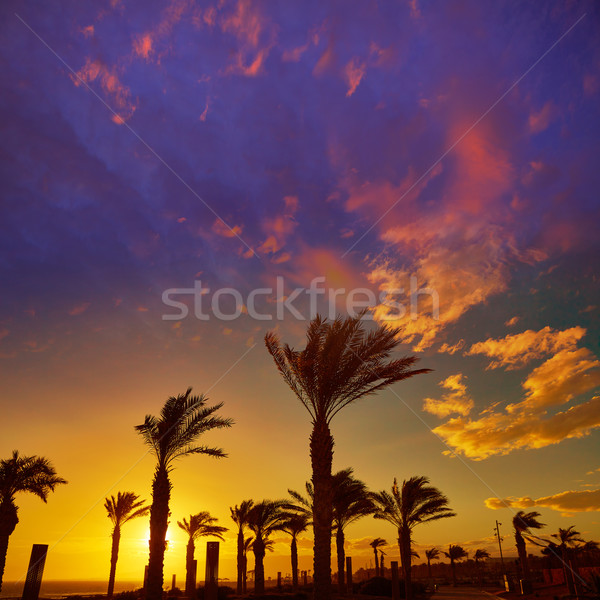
60	589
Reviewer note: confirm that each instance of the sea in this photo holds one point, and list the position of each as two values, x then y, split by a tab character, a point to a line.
61	589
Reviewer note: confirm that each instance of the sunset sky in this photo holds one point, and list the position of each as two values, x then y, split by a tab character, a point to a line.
247	145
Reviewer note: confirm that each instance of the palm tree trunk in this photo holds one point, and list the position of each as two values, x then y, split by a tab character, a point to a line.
341	558
240	560
190	580
429	568
453	571
294	550
159	522
259	568
376	562
568	572
245	575
321	455
114	556
522	551
8	522
406	563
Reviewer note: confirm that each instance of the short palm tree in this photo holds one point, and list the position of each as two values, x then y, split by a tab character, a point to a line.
199	525
265	518
406	507
351	502
183	419
431	554
340	364
523	522
294	525
455	552
239	515
376	544
29	474
567	538
480	554
125	507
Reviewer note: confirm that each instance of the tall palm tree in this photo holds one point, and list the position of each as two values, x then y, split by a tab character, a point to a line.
523	522
340	364
125	507
567	538
294	525
406	507
29	474
183	419
455	552
431	554
200	525
376	544
480	554
239	515
265	518
351	501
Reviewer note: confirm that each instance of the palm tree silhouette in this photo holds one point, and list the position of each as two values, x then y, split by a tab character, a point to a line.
406	507
431	554
294	525
522	523
480	554
455	552
183	419
351	501
29	474
265	518
567	538
239	515
125	507
247	546
199	525
340	364
376	544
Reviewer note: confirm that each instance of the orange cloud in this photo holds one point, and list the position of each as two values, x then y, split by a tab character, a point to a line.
515	351
354	72
120	96
246	23
570	501
512	321
142	45
447	348
279	227
457	401
222	229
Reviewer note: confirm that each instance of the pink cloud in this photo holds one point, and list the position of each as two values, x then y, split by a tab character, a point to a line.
224	230
354	72
79	309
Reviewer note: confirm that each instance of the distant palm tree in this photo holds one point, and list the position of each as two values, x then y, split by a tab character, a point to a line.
406	507
455	552
523	522
431	554
265	518
567	538
125	507
247	546
29	474
183	419
480	554
351	502
294	525
200	525
340	364
239	515
376	544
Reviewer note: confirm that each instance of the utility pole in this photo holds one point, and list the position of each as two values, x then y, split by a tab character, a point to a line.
497	531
